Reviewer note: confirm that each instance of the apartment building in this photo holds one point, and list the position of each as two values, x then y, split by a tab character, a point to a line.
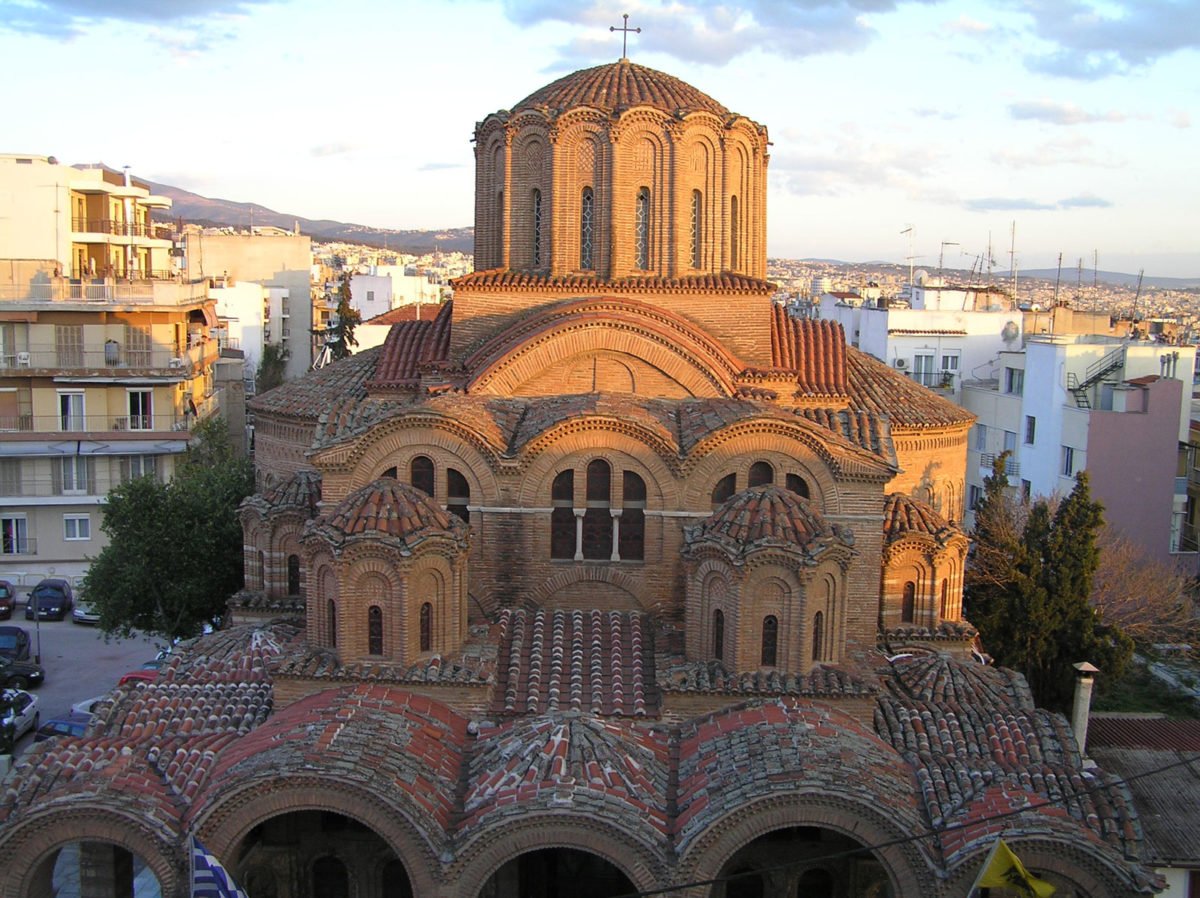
106	357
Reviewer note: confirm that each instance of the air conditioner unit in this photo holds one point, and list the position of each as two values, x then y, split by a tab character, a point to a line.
22	360
176	363
901	363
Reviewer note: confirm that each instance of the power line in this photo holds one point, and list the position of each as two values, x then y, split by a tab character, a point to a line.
929	834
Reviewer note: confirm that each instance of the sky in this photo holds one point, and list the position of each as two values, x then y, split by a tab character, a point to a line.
1036	126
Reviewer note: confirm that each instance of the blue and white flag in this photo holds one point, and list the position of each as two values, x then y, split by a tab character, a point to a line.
209	878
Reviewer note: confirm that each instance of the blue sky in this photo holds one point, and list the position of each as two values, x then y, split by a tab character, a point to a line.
1077	120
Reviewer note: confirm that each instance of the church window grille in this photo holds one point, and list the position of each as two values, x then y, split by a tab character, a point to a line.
770	640
761	474
797	485
426	627
818	635
945	599
719	635
587	214
458	494
562	516
293	575
537	228
734	261
374	630
641	229
632	540
908	604
331	611
697	223
421	473
724	489
597	522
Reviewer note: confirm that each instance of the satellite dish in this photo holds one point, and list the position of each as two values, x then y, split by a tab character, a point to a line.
920	277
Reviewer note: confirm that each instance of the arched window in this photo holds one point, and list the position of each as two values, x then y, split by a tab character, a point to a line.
719	635
458	494
537	228
330	879
499	228
262	571
597	522
797	485
331	622
818	635
587	226
724	489
562	516
632	542
734	261
641	229
697	224
908	604
293	575
374	630
421	474
770	640
390	472
426	627
945	599
761	474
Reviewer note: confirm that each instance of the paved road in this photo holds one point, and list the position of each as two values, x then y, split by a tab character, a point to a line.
79	663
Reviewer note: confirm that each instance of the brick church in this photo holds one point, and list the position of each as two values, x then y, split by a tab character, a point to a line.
612	577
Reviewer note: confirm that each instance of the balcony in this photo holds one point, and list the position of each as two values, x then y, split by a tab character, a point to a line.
75	427
18	546
110	358
115	227
1012	467
152	288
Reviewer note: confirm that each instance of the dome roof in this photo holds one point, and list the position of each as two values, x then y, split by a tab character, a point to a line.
388	508
903	515
302	491
618	86
767	516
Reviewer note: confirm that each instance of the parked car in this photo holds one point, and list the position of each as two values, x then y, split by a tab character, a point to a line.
138	676
51	599
14	644
20	674
24	712
8	598
85	613
87	707
62	726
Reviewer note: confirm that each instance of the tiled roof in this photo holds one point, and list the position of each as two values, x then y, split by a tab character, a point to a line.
815	350
767	516
618	86
505	279
596	662
904	515
425	311
301	491
386	507
710	677
655	417
409	345
475	665
867	430
310	395
874	386
1142	732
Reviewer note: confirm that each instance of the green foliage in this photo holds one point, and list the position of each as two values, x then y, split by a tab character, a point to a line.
175	550
272	367
340	337
1028	586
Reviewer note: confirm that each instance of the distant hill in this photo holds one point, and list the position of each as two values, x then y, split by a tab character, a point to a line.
1118	278
209	212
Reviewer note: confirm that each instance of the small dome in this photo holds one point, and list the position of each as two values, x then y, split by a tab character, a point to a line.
618	86
389	508
767	516
302	490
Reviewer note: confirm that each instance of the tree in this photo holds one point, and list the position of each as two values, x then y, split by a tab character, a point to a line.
1029	595
175	550
339	336
272	367
1151	601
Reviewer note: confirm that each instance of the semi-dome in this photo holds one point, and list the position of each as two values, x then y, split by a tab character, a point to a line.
392	510
618	86
767	516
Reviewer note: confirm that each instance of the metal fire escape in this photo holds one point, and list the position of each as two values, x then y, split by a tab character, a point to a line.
1095	373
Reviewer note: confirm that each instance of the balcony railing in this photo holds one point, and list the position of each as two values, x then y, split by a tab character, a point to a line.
18	546
111	356
73	426
121	228
1012	467
156	288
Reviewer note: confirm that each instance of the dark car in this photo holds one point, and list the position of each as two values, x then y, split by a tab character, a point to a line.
51	599
62	726
14	643
20	674
8	598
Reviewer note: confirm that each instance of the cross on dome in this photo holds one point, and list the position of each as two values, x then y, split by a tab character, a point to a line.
624	29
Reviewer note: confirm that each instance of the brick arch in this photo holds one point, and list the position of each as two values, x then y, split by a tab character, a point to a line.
624	448
223	825
596	573
491	848
909	870
790	449
30	843
1073	864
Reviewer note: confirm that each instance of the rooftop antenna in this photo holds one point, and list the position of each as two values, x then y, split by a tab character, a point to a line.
1012	259
624	29
941	260
1057	278
910	231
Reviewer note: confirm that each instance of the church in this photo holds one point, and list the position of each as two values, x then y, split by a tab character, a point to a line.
611	579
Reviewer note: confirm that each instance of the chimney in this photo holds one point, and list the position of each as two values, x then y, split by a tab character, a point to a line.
1085	678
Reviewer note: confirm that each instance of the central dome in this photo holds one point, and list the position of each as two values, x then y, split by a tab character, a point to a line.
618	86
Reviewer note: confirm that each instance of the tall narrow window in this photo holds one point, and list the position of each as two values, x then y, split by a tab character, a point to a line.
734	261
945	599
770	640
562	516
537	228
140	410
632	542
697	224
374	630
293	575
458	494
331	612
719	635
761	474
421	472
262	571
426	627
908	604
818	635
70	411
641	229
499	228
587	214
597	521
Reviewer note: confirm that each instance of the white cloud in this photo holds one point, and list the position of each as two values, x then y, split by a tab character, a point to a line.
1060	113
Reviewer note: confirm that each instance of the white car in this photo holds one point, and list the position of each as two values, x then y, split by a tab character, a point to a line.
88	705
24	712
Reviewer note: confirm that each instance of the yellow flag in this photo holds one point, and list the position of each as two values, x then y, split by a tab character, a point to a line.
1004	871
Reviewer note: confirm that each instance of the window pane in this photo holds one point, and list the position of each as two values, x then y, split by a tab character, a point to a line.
599	481
641	229
422	474
586	228
770	638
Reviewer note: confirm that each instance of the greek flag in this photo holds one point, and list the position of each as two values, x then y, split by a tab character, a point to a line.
209	879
